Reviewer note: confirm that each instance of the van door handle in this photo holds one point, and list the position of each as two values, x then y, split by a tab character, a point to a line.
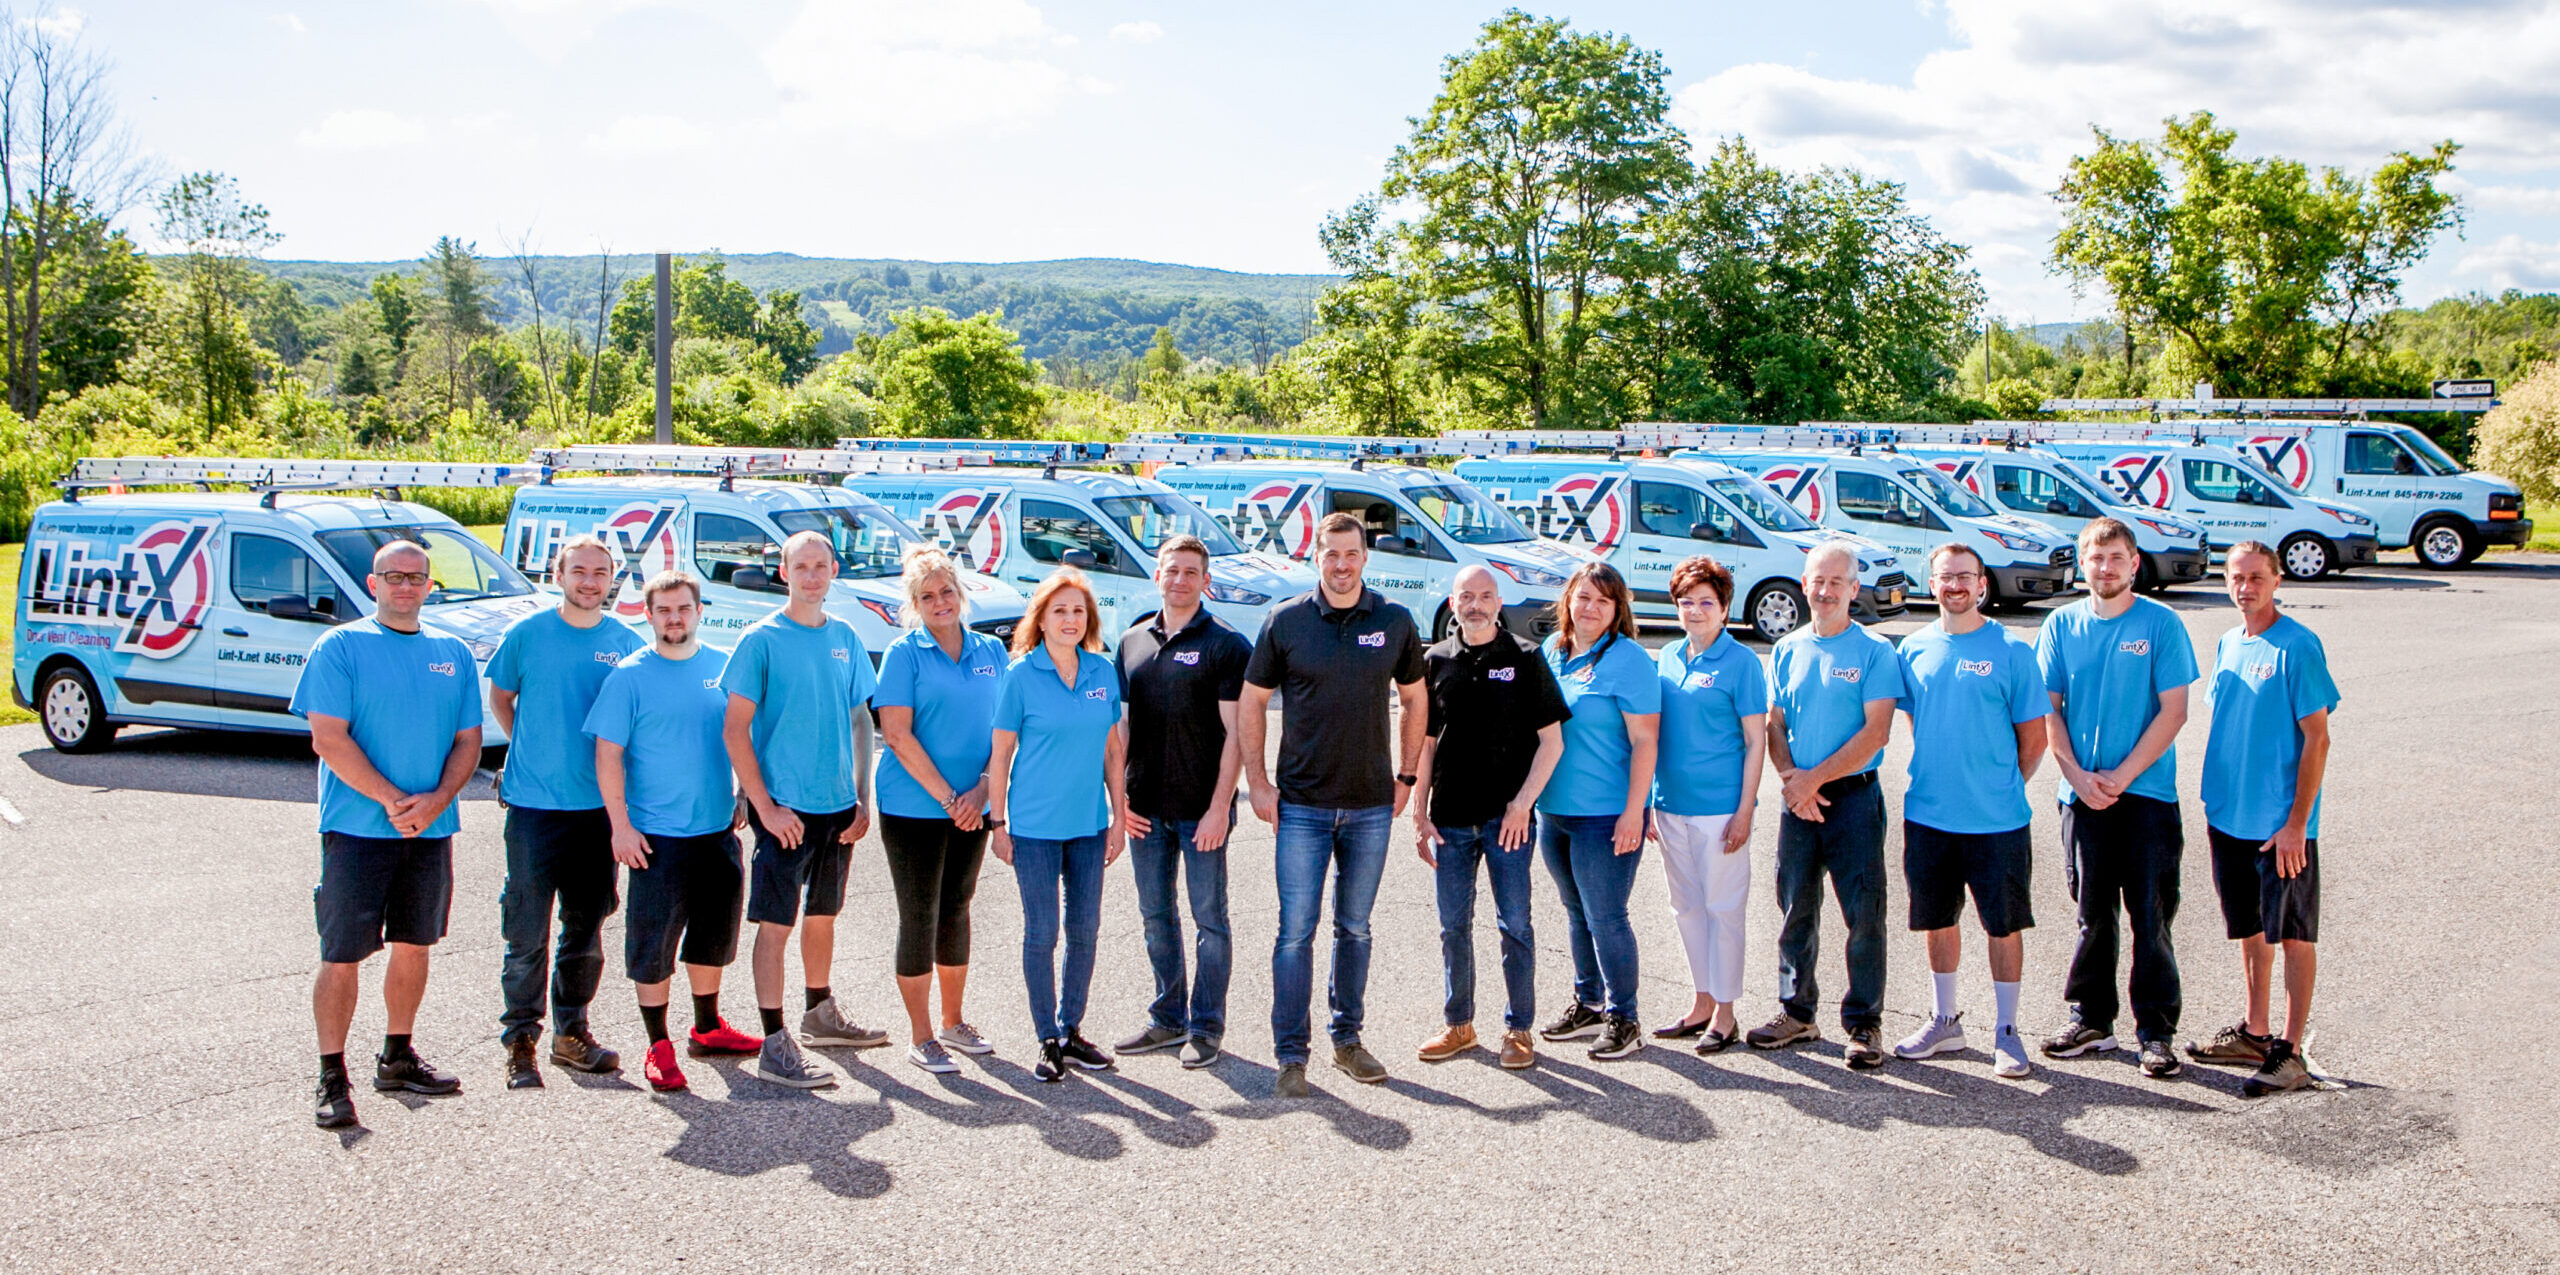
1647	549
235	633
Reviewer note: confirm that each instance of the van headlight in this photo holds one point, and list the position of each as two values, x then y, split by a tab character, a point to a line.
1527	575
2350	518
2171	530
1229	593
482	649
2019	544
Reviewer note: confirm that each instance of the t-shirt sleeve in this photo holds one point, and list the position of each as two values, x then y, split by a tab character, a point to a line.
1009	699
1751	693
745	675
1902	657
1883	678
2049	665
610	719
467	693
326	686
2176	666
1551	706
1268	663
1409	657
2307	675
1436	719
1642	690
2028	701
897	687
506	668
1233	655
865	678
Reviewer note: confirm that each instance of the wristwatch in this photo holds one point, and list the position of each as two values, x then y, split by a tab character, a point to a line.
1406	780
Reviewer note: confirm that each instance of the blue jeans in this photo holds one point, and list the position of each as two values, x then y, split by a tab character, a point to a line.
1849	845
1154	859
1593	881
1046	869
1354	844
1461	849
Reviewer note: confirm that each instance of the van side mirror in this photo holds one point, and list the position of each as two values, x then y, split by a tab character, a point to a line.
293	606
753	579
2056	507
1390	544
1080	559
1703	531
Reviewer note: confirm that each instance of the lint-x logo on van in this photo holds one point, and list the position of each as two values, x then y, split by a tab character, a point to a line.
152	587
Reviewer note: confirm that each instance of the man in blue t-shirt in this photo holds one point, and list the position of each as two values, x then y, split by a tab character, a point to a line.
664	776
1977	706
542	682
395	720
1834	686
2117	667
2264	757
799	736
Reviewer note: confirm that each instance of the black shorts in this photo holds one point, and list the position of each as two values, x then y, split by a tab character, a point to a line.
683	906
375	890
816	867
1941	866
2255	900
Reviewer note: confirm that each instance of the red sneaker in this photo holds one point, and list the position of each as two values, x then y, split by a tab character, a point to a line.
722	1039
664	1076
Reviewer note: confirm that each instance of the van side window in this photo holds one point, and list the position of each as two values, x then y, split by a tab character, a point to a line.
2033	491
1050	529
2378	454
1670	509
1873	498
2226	484
264	567
1379	517
722	544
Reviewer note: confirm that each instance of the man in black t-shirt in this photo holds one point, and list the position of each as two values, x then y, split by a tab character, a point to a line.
1182	669
1332	655
1496	730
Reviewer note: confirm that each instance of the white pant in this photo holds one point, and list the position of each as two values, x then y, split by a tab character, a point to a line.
1709	889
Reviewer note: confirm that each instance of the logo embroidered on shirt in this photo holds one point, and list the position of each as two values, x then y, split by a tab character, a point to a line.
1098	693
983	670
1187	657
1703	681
445	667
839	654
607	657
711	683
1849	674
2135	646
2259	672
1979	668
1501	674
1373	639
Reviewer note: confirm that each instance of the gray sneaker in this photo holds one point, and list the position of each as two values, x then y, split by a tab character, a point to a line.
1357	1062
782	1063
964	1038
1291	1082
1151	1040
1199	1052
2009	1055
826	1025
1937	1036
931	1056
2284	1070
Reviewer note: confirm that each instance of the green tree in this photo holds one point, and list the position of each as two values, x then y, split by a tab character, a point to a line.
96	303
2519	439
784	331
397	299
710	304
1163	358
2260	276
212	350
937	377
1544	151
1365	349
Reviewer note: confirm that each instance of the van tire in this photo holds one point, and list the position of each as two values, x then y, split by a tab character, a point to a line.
70	710
2444	544
1442	624
2306	557
1775	609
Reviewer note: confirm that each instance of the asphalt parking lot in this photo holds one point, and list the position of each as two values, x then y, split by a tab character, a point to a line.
155	1057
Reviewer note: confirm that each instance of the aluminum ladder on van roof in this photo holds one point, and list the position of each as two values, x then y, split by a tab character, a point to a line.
269	475
1665	438
1356	448
1049	453
2330	407
729	464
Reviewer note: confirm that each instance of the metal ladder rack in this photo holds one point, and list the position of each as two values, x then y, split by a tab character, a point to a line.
2328	407
270	476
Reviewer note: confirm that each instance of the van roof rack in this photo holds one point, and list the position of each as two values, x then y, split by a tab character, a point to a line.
728	464
1655	438
270	475
2331	407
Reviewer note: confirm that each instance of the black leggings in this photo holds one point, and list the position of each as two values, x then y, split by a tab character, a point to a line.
933	867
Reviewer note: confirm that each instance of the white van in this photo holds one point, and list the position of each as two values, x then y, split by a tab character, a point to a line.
1423	525
2045	488
2419	497
729	532
1644	516
1905	504
197	609
1018	525
2232	499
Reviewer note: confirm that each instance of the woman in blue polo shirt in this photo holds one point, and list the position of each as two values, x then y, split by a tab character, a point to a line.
1591	817
1056	796
1715	700
937	702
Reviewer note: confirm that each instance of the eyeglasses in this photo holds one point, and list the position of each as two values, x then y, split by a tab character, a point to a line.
1958	577
1699	604
409	579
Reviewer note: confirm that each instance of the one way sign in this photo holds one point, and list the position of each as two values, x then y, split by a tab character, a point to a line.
2466	389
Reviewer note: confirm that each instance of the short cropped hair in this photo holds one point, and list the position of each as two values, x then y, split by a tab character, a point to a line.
669	582
2101	530
2259	547
584	540
1698	569
1340	521
1951	547
1184	542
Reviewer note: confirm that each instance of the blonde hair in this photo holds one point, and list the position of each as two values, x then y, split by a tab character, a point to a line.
584	540
1028	634
919	564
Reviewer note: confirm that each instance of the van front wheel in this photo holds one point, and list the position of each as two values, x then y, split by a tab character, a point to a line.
1776	609
74	718
2442	545
2306	556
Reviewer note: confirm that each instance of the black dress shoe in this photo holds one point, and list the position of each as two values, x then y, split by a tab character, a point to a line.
522	1073
1718	1042
1683	1031
579	1051
332	1107
415	1074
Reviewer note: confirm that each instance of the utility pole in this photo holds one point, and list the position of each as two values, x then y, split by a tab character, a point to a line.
666	348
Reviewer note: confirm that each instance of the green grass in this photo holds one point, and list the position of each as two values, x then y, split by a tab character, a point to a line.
488	532
2546	533
10	713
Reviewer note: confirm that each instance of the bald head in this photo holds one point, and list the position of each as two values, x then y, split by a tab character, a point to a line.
400	555
1475	600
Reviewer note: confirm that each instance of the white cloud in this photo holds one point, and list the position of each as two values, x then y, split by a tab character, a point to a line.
1137	32
291	22
919	70
548	27
365	129
1983	131
2512	262
61	24
649	135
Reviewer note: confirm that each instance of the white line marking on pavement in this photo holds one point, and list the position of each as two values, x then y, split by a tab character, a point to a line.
10	813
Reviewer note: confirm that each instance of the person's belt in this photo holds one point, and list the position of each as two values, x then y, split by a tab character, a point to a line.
1848	783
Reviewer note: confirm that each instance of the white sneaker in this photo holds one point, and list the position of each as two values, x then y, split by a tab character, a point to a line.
931	1056
1937	1036
2009	1056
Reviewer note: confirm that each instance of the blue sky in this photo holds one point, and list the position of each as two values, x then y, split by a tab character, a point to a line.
1219	134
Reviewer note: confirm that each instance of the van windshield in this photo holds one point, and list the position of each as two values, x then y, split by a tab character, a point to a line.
1955	500
1469	516
868	539
1761	505
465	570
1152	518
2430	455
2082	482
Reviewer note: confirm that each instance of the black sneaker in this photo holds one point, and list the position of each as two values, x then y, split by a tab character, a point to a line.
2159	1061
1084	1053
1619	1037
1052	1066
415	1074
1577	1021
332	1107
2077	1039
522	1071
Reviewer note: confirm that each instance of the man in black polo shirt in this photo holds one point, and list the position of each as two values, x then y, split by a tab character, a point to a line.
1332	655
1496	731
1183	669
